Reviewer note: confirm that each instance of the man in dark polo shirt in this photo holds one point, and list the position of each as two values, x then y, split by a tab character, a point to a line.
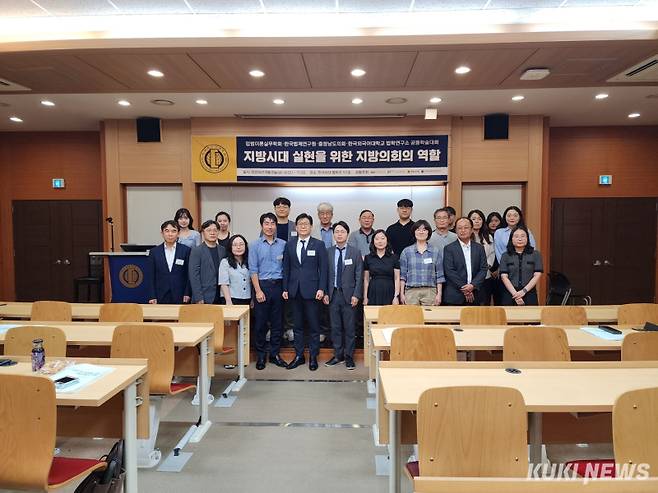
399	233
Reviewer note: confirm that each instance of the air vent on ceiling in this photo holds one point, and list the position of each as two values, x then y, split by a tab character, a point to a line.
645	71
9	86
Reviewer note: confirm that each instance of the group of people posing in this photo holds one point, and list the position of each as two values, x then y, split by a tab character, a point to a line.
288	274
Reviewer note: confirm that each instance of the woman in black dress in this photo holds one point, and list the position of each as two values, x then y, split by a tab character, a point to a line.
381	273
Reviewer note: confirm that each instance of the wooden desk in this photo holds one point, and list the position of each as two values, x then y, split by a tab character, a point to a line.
546	387
450	315
185	335
90	311
123	379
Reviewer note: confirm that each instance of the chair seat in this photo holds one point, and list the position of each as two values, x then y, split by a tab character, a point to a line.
227	350
65	469
593	468
177	388
412	469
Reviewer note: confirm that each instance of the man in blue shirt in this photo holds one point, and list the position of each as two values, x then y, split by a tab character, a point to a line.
266	270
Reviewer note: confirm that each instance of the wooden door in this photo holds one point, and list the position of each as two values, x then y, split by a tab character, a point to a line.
606	247
52	240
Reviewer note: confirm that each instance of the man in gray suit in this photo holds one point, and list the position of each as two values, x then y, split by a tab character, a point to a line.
204	265
345	291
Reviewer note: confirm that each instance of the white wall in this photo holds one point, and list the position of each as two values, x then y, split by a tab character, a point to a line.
245	204
489	198
147	207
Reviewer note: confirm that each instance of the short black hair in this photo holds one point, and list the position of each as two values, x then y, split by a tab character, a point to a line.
184	212
405	203
267	215
366	210
281	200
208	223
425	224
303	215
171	223
510	246
341	223
223	213
451	210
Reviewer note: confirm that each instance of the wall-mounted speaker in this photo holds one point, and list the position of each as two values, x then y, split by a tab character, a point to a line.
148	129
496	126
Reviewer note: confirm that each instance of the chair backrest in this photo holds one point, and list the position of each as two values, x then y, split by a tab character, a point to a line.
153	342
563	315
472	432
483	315
637	313
640	346
401	314
18	340
532	343
423	343
28	415
96	266
51	311
635	428
559	289
121	312
202	313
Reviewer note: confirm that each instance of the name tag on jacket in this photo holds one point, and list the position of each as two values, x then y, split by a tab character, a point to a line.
310	253
427	260
293	233
180	261
348	261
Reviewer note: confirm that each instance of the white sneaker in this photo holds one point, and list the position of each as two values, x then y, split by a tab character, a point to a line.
290	335
267	336
323	337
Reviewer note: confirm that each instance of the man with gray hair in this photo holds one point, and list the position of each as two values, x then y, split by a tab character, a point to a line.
325	215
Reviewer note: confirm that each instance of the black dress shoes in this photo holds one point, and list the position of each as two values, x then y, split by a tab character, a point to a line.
313	363
334	361
276	360
298	361
260	364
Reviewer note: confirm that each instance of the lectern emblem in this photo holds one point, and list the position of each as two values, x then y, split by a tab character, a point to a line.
131	276
214	158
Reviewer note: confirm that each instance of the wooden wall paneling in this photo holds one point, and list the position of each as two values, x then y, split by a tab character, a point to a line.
7	291
455	170
545	205
533	196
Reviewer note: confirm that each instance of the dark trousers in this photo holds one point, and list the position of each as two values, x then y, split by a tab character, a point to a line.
325	321
309	311
269	310
342	322
487	291
168	299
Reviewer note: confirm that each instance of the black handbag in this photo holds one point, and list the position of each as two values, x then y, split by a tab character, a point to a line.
111	479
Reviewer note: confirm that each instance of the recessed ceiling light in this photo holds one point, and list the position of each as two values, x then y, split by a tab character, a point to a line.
123	102
256	73
435	100
633	115
278	101
462	70
601	95
518	98
357	101
155	73
46	102
162	102
358	72
15	119
396	100
201	101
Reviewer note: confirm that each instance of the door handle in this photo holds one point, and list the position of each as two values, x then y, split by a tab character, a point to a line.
67	262
596	263
607	263
57	262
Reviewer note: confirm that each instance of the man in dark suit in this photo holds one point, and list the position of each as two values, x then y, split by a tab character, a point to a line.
345	291
204	265
304	284
464	266
168	282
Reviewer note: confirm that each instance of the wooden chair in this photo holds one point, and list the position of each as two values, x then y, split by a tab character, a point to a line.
456	437
187	359
532	343
18	340
637	314
401	314
423	343
563	315
121	312
29	421
51	311
635	428
640	346
483	315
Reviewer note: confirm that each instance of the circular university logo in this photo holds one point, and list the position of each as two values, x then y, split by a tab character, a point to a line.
214	158
131	276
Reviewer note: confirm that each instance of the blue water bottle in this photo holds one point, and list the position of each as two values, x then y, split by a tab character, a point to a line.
38	354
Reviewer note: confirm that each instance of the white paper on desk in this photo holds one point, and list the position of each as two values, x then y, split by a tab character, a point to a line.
602	334
84	372
5	327
388	334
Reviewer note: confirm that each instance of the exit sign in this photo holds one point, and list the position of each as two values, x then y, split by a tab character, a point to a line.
59	183
605	179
